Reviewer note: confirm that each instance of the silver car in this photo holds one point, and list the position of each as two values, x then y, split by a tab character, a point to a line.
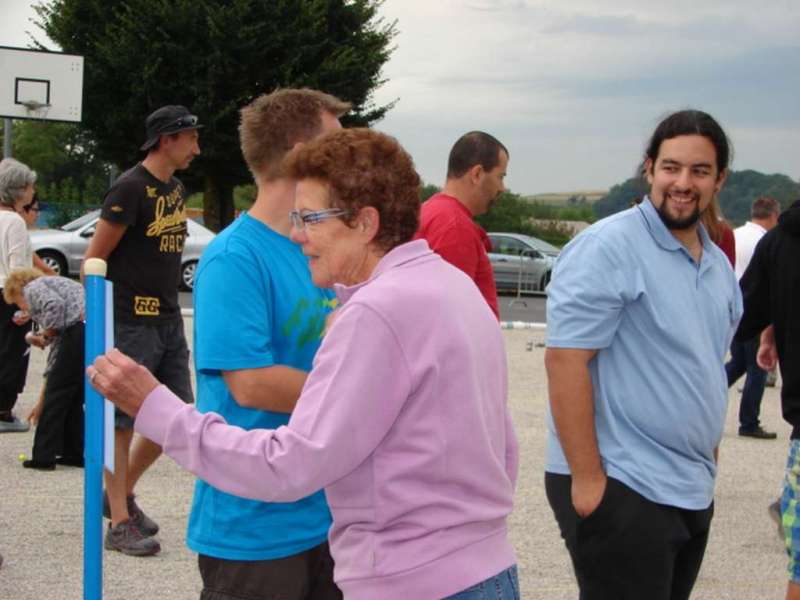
521	263
63	249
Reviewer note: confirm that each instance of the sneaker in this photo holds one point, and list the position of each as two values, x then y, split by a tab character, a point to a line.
774	511
127	538
41	465
70	461
758	433
14	426
145	524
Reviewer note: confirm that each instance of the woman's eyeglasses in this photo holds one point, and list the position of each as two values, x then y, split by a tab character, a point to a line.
33	206
302	218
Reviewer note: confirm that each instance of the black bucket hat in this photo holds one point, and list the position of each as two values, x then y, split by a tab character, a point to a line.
166	120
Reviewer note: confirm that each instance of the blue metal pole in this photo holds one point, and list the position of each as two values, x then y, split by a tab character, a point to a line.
94	271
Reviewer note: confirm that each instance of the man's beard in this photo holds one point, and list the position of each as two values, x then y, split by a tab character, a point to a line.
678	224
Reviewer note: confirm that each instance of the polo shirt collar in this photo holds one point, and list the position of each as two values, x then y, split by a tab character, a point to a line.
662	236
402	254
456	202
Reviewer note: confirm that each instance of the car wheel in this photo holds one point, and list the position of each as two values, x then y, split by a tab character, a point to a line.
54	260
187	275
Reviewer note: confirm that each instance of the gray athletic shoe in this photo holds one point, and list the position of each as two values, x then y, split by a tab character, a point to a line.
145	524
14	426
127	538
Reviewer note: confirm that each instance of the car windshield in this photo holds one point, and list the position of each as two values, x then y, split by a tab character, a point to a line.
81	221
542	245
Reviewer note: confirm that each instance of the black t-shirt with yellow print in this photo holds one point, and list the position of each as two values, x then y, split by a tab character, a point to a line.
145	265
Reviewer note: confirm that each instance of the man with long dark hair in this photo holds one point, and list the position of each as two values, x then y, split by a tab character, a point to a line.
640	312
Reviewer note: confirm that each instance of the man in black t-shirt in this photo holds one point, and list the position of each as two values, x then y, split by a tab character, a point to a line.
141	232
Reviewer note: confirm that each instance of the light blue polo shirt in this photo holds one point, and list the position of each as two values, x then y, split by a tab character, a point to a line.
662	324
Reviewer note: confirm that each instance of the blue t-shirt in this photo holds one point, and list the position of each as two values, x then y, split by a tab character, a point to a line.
662	324
255	306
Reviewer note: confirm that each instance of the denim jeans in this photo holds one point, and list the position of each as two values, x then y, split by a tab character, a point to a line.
743	360
503	586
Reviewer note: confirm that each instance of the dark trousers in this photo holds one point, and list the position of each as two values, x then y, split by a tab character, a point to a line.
743	360
60	428
630	548
304	576
14	354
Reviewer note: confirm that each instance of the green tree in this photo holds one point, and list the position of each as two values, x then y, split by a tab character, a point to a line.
427	190
512	213
214	56
64	157
620	197
742	187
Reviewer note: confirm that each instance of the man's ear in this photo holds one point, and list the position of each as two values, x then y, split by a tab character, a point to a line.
721	180
475	174
648	170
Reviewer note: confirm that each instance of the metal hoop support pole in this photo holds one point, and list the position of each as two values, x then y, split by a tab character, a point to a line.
95	284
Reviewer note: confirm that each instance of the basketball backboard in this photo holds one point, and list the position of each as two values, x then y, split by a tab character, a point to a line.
36	84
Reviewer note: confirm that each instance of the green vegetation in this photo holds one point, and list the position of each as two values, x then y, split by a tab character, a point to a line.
71	178
214	57
567	198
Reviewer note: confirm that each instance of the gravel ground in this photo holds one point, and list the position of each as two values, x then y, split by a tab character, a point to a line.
41	512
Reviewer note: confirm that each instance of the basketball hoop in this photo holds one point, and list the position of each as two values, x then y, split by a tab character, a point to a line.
36	109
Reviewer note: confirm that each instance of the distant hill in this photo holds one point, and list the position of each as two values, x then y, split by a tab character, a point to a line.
741	188
567	198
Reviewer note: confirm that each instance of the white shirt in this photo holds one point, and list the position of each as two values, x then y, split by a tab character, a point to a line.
15	245
746	237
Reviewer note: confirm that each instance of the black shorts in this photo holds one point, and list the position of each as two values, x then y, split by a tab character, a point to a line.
163	350
304	576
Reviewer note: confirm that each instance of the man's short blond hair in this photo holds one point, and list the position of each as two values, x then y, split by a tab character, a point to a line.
18	279
273	123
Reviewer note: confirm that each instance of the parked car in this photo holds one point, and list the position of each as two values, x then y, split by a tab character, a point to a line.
62	249
521	262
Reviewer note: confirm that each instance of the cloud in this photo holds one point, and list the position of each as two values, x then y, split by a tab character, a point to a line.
562	81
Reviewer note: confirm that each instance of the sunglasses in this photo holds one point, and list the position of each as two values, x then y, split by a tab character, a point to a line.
185	121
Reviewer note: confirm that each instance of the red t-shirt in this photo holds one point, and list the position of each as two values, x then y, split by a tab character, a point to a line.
728	243
448	227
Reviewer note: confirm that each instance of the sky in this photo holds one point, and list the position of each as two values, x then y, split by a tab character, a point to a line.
574	88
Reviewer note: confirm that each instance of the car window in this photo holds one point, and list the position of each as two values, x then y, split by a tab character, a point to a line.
506	245
81	221
543	246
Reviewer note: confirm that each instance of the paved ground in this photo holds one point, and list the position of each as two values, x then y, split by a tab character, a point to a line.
41	513
528	307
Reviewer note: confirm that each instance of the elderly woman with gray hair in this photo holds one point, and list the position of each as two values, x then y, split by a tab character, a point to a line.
16	193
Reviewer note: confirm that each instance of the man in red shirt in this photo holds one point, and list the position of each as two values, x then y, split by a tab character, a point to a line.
475	172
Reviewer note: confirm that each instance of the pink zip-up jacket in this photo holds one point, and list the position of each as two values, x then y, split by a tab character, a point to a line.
403	420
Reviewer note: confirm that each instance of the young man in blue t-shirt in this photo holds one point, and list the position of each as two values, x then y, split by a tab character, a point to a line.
258	323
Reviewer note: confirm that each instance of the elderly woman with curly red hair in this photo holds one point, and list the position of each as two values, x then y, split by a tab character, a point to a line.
403	419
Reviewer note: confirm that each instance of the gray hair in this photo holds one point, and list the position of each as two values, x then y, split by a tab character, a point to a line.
14	178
